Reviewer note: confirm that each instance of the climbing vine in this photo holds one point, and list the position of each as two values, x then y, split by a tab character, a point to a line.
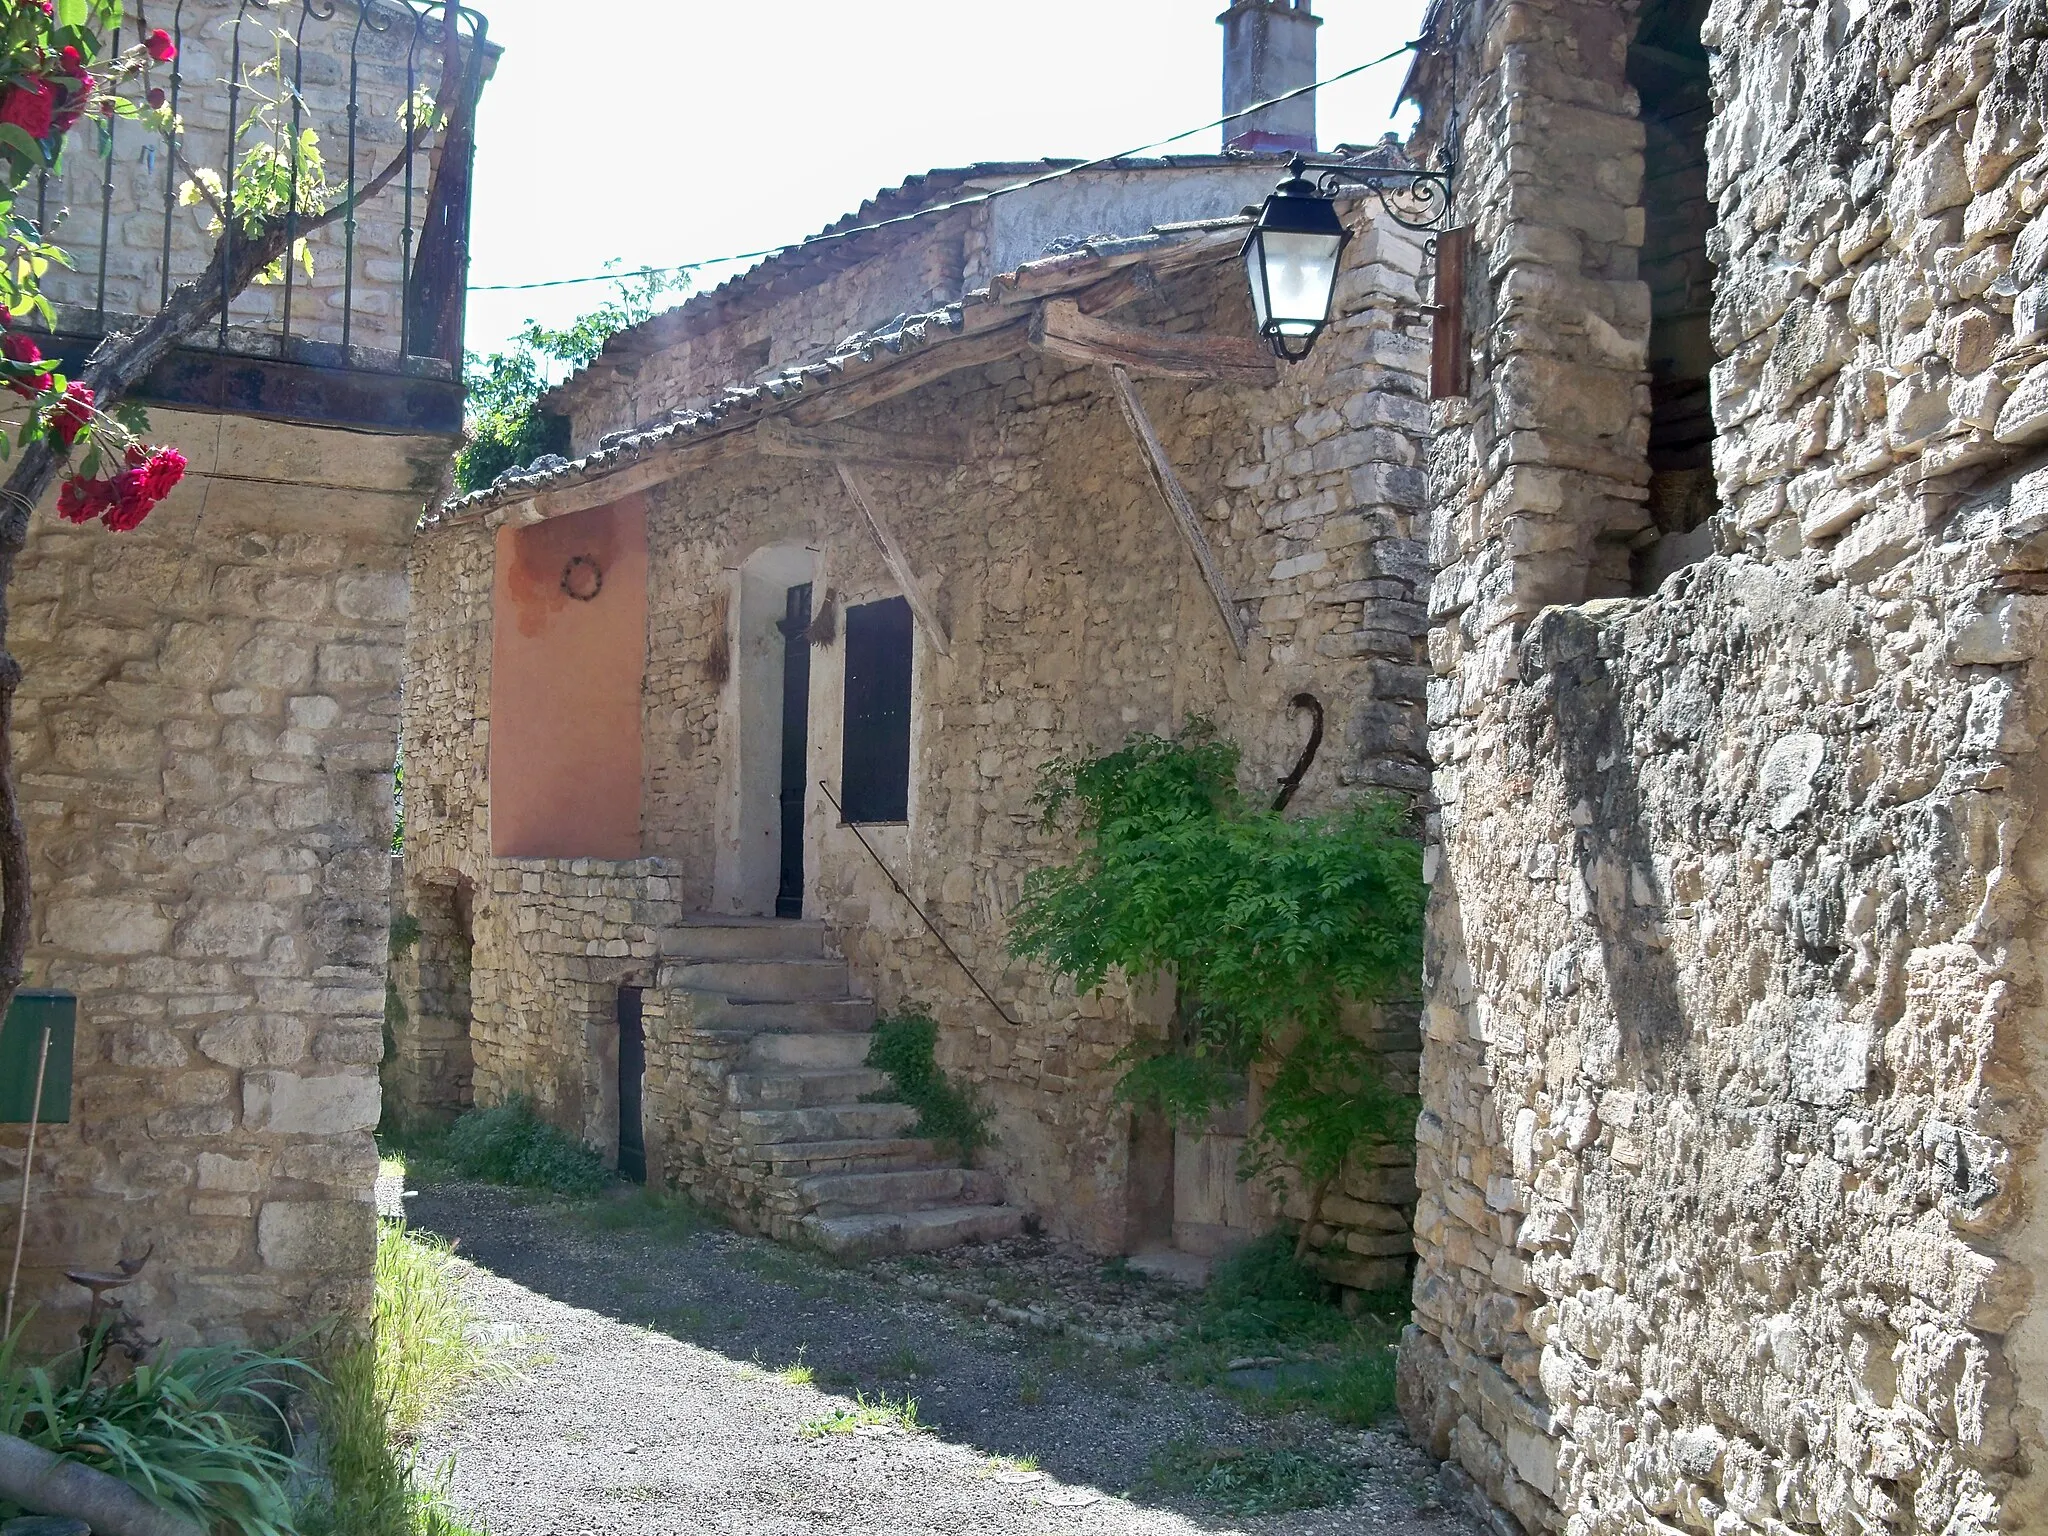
1268	926
905	1046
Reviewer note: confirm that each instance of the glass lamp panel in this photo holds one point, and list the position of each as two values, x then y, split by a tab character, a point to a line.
1255	274
1301	277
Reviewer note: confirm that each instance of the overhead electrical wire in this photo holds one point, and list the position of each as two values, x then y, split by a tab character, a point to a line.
970	201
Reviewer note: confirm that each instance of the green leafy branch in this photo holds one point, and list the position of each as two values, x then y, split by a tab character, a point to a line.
1269	927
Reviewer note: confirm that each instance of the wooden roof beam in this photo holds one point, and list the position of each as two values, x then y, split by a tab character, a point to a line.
1063	330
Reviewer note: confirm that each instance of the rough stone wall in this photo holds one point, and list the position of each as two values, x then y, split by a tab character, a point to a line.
1075	617
1730	1125
130	185
205	736
683	359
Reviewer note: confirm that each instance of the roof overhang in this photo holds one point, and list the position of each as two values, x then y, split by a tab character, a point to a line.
1004	320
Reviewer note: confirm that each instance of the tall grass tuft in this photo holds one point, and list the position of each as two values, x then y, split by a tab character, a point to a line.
376	1396
429	1339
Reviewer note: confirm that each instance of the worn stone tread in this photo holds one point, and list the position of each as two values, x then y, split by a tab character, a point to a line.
826	1122
818	1051
906	1189
877	1232
770	981
802	1088
863	1154
712	936
747	1016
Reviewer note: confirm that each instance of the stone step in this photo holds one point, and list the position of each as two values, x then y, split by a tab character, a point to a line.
840	1051
742	1016
899	1190
867	1154
912	1231
798	1089
826	1122
767	981
711	936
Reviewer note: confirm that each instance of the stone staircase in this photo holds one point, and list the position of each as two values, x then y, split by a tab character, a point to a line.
830	1166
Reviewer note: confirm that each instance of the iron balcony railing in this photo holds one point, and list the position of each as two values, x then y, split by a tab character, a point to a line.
386	283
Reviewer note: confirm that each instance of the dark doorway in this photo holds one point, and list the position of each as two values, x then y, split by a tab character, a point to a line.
632	1075
795	625
874	774
1667	64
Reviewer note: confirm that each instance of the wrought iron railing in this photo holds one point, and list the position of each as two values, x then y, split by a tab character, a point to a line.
386	286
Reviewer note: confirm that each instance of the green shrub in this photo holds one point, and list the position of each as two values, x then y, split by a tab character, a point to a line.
508	1144
196	1433
1268	926
905	1047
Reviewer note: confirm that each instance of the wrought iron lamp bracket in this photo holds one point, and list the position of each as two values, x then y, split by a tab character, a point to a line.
1412	197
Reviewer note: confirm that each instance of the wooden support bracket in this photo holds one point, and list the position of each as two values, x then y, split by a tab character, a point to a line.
893	557
778	437
1063	330
1177	499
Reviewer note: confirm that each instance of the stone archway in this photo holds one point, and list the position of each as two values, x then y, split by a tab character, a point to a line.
430	1067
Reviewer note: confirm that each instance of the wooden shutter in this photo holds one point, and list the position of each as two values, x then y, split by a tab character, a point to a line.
875	772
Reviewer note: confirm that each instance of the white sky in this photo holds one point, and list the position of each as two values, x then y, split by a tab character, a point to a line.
662	131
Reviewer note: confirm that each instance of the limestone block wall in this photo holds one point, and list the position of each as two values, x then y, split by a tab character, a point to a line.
1075	616
683	359
1727	1218
129	185
205	736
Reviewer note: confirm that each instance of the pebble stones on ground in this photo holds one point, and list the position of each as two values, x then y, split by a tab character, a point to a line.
655	1403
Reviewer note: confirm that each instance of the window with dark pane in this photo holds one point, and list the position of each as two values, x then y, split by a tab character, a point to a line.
875	775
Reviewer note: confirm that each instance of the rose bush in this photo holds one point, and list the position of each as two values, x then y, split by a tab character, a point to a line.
47	84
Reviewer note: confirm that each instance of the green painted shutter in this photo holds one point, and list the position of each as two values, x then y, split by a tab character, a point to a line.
21	1044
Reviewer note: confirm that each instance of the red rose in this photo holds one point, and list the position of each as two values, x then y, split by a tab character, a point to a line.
132	501
31	108
72	60
160	46
78	500
17	348
157	97
74	106
161	475
70	416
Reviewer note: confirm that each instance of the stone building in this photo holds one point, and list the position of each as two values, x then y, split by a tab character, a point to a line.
206	727
725	736
1731	1214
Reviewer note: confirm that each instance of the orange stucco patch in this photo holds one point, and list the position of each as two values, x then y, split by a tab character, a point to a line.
566	675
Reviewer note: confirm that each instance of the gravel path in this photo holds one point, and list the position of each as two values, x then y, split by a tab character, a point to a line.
652	1406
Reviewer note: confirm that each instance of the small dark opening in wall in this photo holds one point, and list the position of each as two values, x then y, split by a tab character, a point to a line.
1667	64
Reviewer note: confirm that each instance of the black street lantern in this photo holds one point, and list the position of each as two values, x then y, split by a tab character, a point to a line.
1292	252
1291	259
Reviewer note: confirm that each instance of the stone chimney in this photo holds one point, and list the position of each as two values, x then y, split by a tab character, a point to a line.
1269	47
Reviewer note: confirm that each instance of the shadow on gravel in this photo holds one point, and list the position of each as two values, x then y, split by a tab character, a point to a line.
1076	1412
